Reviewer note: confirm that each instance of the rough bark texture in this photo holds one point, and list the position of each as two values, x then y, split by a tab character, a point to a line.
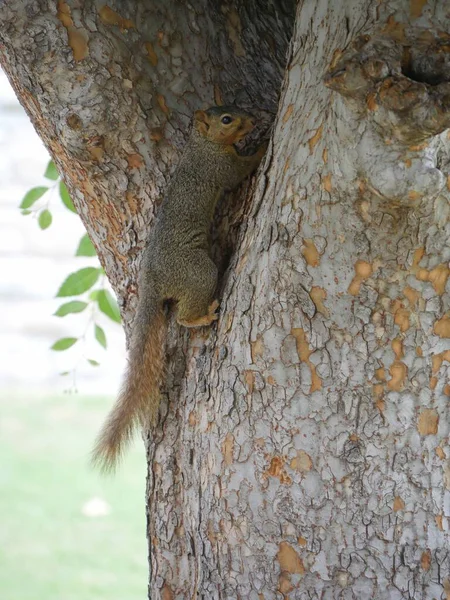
304	452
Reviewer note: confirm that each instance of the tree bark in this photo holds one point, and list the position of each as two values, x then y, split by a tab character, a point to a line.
303	451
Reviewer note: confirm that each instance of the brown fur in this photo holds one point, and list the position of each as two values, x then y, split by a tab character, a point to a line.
177	266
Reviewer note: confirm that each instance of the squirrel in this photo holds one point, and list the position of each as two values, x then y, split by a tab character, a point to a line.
177	267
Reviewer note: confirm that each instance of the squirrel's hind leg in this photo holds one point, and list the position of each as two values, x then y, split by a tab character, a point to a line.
196	307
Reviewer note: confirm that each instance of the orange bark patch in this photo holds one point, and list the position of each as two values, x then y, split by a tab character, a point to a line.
249	377
371	102
428	422
64	14
437	277
152	57
397	347
289	559
162	104
425	560
310	253
312	142
78	38
304	352
363	270
440	453
326	182
417	257
380	374
325	156
192	418
412	295
228	449
156	134
438	359
401	315
288	113
398	504
166	592
399	372
135	161
335	58
395	29
438	519
416	7
284	584
257	348
446	390
442	327
302	462
277	469
111	17
318	295
217	95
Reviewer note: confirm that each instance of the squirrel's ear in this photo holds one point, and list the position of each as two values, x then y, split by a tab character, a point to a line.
201	121
200	115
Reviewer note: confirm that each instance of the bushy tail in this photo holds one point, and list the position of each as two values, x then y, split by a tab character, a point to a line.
139	398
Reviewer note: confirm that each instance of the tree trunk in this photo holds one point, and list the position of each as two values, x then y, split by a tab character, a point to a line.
303	451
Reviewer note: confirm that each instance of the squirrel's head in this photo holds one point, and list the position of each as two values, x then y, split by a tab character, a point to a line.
223	124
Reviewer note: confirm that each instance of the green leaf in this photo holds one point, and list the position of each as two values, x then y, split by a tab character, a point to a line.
65	373
100	336
51	171
79	282
64	344
45	219
86	247
75	306
108	305
92	362
65	197
27	212
32	195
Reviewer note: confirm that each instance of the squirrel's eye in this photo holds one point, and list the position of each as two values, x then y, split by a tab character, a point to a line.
226	120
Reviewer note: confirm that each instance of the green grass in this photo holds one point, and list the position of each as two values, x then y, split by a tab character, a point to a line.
49	548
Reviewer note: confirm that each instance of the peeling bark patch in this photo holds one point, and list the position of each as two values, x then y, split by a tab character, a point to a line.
277	469
401	315
302	462
233	26
162	104
310	253
135	161
166	592
228	449
442	327
289	559
399	373
152	57
425	560
398	504
438	359
428	422
312	142
287	114
326	183
304	352
437	277
416	8
111	17
77	37
257	348
411	295
440	453
318	296
363	270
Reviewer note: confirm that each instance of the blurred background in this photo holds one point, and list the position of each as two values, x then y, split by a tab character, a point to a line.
66	532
